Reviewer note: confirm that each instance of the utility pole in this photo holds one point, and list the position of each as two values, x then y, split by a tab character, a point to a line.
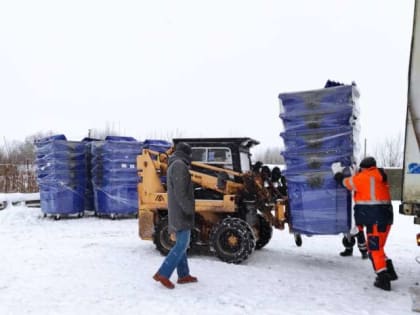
364	150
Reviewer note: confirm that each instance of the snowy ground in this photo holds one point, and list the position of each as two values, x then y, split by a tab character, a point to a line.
99	266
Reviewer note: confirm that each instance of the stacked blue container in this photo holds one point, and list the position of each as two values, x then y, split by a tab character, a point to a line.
114	176
61	175
321	127
157	145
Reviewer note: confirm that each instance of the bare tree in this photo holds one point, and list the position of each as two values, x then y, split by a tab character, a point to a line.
389	152
108	130
269	156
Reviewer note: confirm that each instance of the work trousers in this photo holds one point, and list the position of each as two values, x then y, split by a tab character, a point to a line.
376	240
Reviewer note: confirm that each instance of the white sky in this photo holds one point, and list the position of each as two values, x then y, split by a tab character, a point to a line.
196	68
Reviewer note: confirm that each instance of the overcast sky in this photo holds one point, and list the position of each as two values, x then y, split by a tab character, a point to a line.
196	68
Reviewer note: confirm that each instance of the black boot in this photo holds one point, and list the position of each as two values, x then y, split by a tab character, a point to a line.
347	252
364	254
391	271
383	281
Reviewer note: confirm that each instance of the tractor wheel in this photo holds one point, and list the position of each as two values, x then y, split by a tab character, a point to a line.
232	240
162	238
265	232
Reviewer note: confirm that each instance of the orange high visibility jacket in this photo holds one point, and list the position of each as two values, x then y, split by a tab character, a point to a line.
369	187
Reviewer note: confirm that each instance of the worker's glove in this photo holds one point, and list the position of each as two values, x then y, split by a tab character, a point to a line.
353	169
337	168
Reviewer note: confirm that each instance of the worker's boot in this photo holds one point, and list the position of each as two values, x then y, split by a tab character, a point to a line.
347	252
383	281
187	279
165	281
391	271
364	254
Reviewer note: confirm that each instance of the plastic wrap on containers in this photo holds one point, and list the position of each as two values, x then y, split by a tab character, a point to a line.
114	175
61	174
319	101
318	205
321	139
316	161
157	145
321	127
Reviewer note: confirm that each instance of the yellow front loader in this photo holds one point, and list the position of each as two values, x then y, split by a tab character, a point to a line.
235	210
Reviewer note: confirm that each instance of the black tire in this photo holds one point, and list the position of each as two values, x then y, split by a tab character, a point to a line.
232	240
162	238
265	232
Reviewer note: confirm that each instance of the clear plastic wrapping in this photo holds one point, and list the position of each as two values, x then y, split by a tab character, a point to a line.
61	174
321	127
114	175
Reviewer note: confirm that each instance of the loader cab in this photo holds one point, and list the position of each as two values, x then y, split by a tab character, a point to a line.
228	153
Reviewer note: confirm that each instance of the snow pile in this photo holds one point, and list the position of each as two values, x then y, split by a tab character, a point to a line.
100	266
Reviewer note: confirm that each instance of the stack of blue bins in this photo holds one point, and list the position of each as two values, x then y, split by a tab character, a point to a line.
320	127
114	176
61	175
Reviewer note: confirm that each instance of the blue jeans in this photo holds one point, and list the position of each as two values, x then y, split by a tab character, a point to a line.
177	256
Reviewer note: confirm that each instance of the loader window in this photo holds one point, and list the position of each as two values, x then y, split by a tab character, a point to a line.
217	156
245	162
199	154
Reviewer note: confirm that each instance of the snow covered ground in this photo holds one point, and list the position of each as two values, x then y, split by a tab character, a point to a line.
99	266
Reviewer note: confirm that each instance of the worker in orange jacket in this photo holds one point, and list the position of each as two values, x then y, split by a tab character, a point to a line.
373	210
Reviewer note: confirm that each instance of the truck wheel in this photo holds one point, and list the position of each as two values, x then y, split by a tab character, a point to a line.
162	238
265	232
232	240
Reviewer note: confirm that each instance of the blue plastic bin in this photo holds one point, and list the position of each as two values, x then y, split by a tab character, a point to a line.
316	161
318	205
116	199
319	100
318	140
56	199
326	119
157	145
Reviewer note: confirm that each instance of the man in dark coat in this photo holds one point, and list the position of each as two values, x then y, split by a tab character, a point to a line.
181	209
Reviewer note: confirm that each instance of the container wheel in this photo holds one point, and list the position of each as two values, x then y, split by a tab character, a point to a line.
232	240
265	232
298	239
112	216
161	237
80	214
57	217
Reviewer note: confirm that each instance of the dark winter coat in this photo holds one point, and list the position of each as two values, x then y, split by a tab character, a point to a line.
181	203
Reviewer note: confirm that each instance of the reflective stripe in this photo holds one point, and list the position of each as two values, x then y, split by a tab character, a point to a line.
376	202
372	188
